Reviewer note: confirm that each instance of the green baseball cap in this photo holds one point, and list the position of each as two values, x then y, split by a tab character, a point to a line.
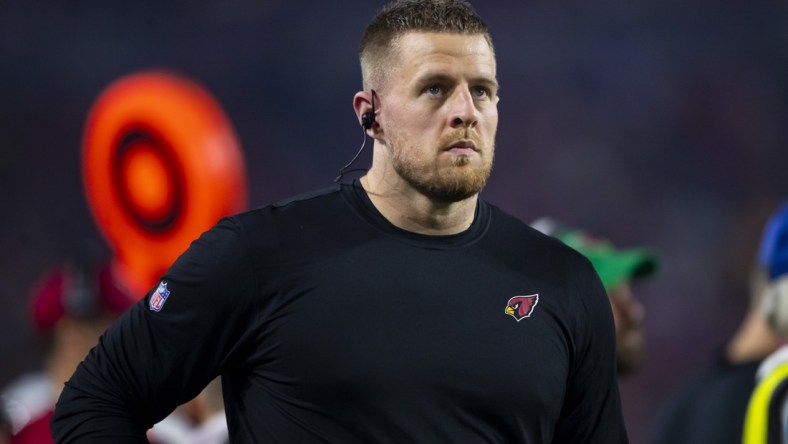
614	266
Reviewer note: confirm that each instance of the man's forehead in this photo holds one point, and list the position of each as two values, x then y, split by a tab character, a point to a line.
443	42
422	52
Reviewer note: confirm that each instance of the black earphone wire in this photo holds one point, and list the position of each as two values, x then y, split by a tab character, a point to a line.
344	168
364	129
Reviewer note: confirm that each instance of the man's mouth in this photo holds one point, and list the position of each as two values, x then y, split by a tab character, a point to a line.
466	147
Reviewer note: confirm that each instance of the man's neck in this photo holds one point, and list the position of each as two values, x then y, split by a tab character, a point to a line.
408	209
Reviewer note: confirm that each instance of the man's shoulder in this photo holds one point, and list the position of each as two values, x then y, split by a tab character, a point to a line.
513	225
294	220
513	232
313	200
313	196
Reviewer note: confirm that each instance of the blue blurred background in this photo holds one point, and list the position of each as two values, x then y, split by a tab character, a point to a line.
654	123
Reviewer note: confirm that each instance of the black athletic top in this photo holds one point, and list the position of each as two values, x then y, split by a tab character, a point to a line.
329	324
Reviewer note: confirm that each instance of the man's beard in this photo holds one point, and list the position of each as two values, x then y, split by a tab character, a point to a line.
448	184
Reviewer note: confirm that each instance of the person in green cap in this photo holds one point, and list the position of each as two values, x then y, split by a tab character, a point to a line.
617	269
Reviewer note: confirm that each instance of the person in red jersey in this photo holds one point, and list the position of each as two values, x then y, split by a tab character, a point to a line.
71	306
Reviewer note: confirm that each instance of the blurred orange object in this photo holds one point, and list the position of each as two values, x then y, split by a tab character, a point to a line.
161	164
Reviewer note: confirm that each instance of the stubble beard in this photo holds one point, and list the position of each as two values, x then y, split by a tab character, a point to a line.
443	183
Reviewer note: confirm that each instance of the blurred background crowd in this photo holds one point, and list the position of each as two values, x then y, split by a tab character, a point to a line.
656	123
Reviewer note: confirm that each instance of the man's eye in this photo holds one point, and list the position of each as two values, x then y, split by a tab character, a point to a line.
433	90
481	91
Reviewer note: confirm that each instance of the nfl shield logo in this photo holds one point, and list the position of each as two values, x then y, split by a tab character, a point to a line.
159	297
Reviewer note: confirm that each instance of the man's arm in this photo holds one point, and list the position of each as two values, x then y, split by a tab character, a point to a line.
592	408
166	348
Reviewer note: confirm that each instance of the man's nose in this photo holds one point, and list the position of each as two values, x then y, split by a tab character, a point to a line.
463	109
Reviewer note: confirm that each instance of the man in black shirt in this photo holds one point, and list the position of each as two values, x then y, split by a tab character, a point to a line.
397	308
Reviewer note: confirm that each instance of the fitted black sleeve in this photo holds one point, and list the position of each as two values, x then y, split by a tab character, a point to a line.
151	361
591	411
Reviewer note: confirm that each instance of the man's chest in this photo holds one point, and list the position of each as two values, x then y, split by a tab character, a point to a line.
412	327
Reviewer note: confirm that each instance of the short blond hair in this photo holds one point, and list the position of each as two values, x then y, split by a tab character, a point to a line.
378	46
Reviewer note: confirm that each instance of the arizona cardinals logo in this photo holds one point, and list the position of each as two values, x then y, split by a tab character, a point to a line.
522	306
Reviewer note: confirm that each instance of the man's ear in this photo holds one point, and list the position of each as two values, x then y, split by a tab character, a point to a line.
363	104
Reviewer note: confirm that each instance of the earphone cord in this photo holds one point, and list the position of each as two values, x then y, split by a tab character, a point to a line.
344	168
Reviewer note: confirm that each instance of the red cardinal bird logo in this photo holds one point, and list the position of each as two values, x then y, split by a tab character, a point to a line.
522	306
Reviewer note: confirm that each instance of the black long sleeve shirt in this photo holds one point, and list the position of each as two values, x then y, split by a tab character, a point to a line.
329	324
